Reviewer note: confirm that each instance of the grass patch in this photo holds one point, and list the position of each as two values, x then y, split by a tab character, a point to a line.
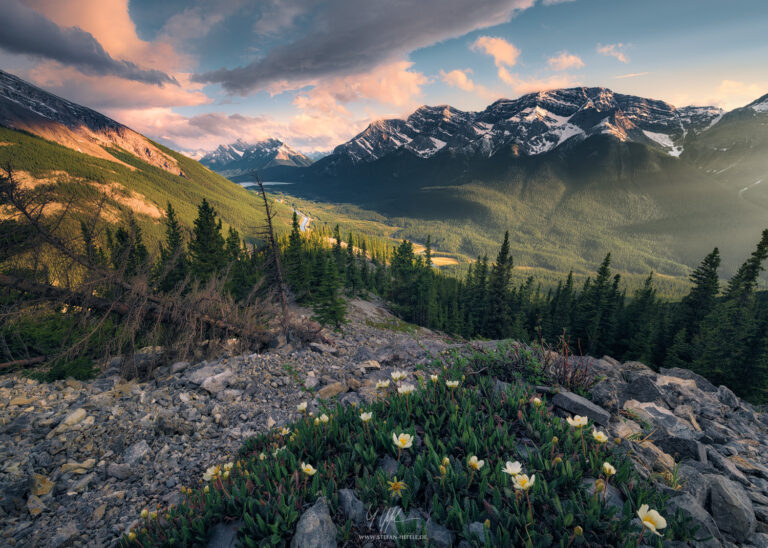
266	488
393	324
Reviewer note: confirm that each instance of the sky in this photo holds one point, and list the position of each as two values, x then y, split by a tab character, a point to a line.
194	74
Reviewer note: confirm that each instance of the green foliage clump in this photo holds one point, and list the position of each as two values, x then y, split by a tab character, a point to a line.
268	489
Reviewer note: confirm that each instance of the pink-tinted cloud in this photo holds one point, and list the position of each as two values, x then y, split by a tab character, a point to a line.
120	93
630	75
613	50
504	53
530	85
565	61
460	79
109	21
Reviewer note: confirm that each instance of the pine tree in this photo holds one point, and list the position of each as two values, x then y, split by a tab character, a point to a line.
206	249
127	250
338	253
171	269
693	308
296	262
353	279
497	318
641	325
330	308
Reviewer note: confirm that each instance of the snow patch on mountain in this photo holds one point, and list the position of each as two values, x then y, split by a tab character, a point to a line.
241	157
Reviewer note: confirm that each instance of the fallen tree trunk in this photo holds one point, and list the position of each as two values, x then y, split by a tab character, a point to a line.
23	363
154	309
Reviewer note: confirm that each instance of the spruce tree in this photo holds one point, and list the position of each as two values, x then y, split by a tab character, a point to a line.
297	271
127	250
207	254
172	266
497	314
330	308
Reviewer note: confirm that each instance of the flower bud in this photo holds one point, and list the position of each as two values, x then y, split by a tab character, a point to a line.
599	485
446	461
578	531
555	439
443	470
144	513
487	524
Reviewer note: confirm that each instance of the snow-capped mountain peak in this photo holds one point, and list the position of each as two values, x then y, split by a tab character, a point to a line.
241	157
534	124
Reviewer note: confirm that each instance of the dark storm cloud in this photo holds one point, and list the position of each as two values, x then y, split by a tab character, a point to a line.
342	37
28	32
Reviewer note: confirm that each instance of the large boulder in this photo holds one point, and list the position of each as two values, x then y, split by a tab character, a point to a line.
574	404
707	532
352	507
315	528
732	508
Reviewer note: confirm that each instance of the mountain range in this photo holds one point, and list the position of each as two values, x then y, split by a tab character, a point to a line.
242	158
572	173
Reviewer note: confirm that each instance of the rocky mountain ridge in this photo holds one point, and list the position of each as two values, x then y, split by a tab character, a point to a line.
241	158
29	108
532	124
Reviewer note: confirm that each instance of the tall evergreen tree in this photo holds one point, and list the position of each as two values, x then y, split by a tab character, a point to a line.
127	249
330	308
207	253
172	266
497	314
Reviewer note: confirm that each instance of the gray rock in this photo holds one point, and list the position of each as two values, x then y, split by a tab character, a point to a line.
727	397
65	536
223	535
438	536
389	465
691	509
726	466
732	508
681	447
324	348
477	531
119	471
200	374
576	405
613	496
136	452
695	483
351	398
315	528
352	507
389	520
702	383
642	389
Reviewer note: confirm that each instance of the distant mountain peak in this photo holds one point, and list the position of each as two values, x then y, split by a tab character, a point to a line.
533	123
759	105
242	157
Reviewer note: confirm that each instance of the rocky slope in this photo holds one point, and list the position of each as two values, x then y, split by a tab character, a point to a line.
80	460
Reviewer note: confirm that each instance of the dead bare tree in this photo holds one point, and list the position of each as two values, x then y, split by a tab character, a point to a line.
268	233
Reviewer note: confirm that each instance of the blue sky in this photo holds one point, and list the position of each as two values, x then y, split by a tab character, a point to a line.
314	73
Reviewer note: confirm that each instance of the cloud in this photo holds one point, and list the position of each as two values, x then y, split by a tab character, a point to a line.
28	32
734	93
122	94
307	131
613	50
531	85
460	79
630	75
504	53
565	61
339	41
553	2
